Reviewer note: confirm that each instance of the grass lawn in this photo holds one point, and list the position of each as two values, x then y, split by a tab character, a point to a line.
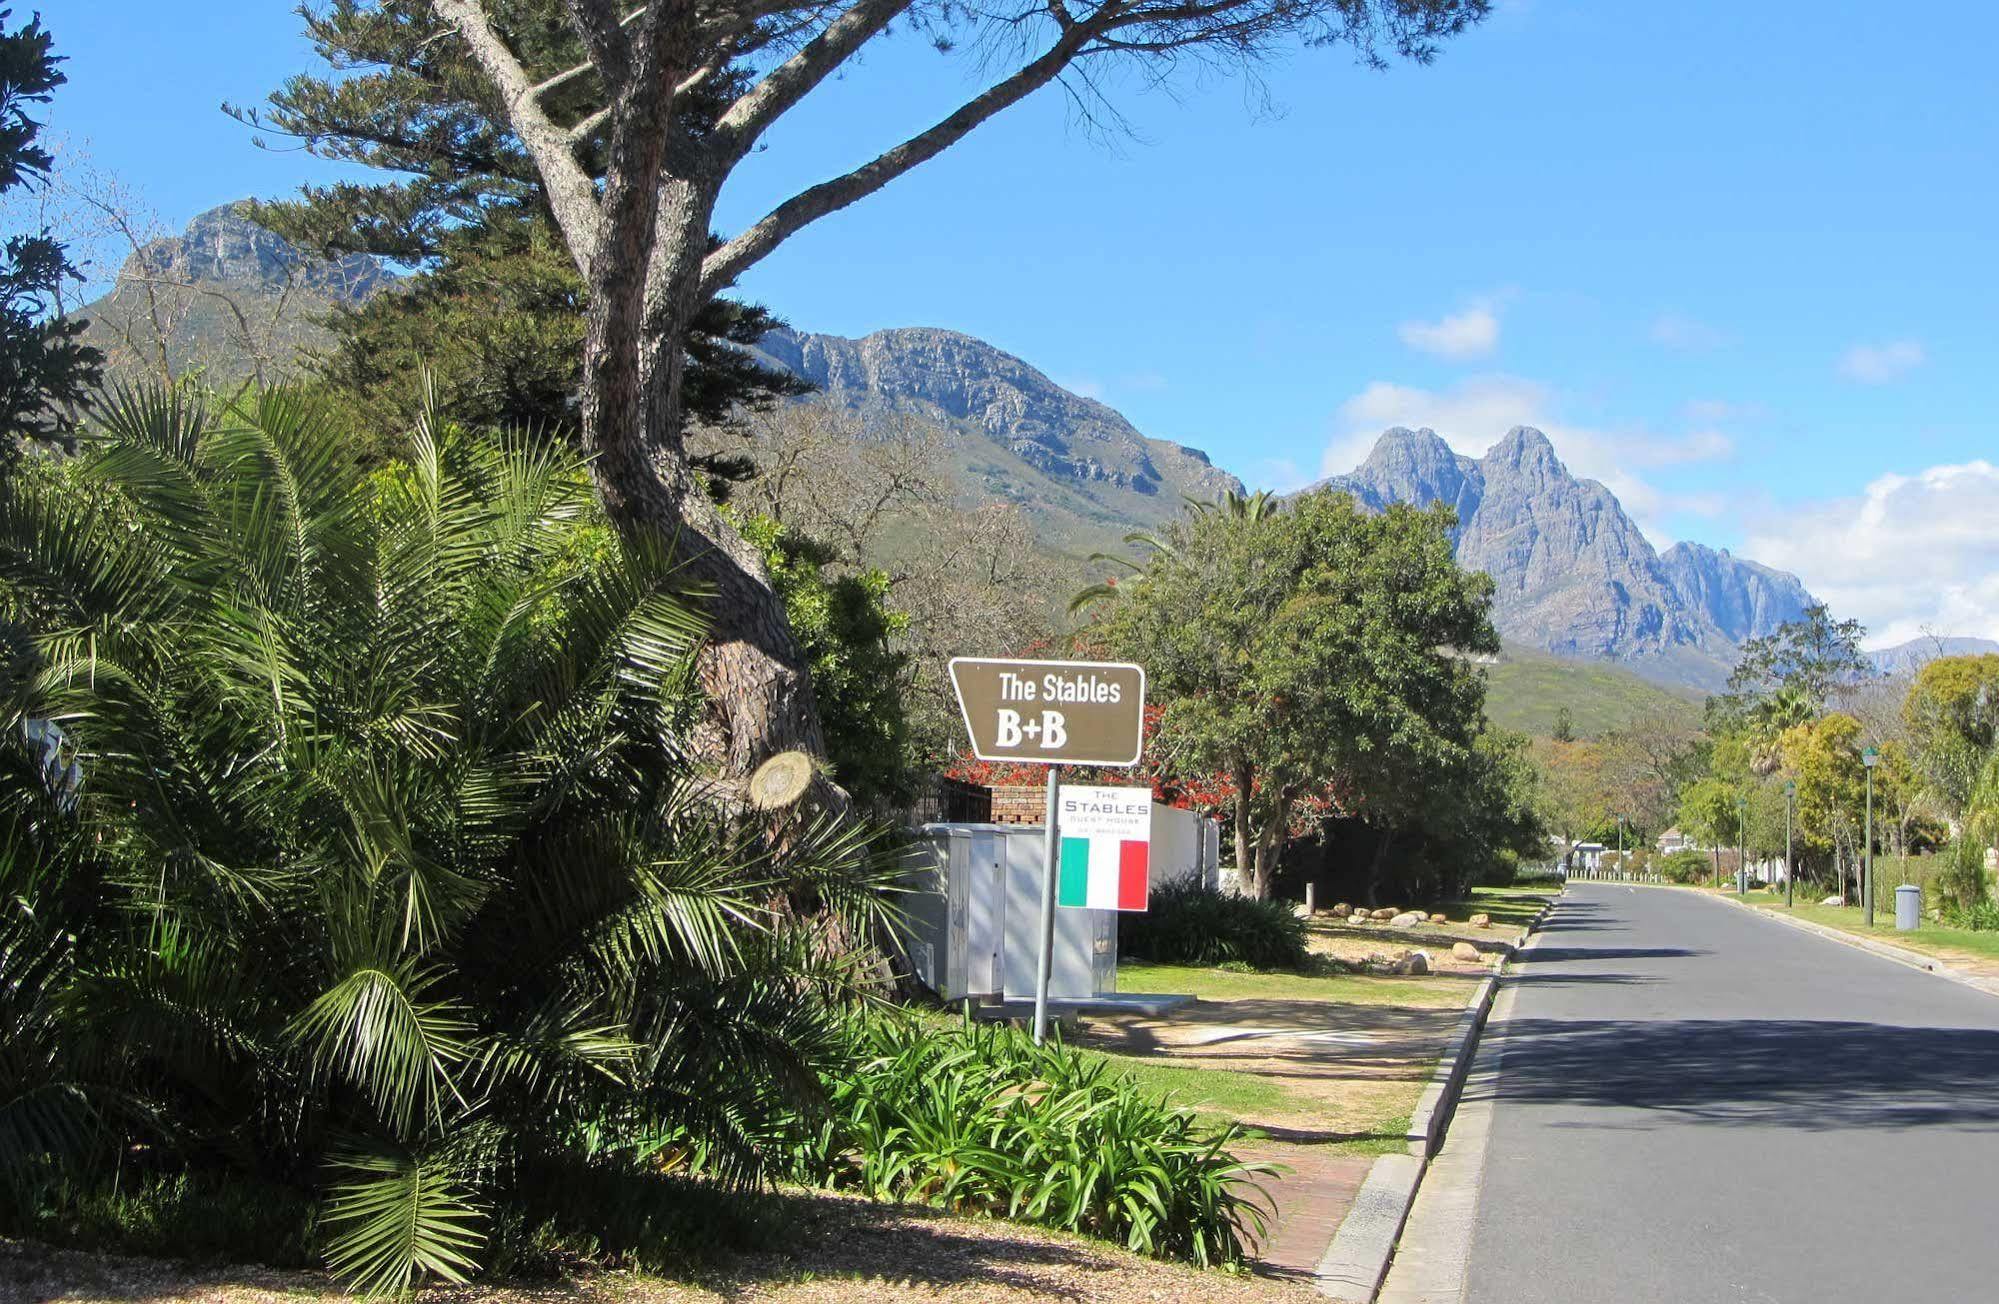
1512	906
1346	989
1933	938
1224	1093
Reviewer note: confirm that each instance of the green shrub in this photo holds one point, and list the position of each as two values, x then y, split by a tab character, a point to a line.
388	873
1685	866
977	1118
1960	879
1186	922
205	1218
1979	916
1537	875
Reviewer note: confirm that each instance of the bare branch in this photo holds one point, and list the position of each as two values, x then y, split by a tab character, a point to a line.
572	196
792	80
809	205
561	79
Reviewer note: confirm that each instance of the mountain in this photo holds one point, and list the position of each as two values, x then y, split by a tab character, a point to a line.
226	297
1083	474
1907	658
1574	575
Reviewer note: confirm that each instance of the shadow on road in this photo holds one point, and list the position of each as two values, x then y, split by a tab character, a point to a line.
1805	1074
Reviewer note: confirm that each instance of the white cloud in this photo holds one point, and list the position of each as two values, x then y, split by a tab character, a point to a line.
1912	553
1472	333
1878	364
1475	413
1675	331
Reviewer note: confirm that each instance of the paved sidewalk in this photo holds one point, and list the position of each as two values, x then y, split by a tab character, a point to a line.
1311	1201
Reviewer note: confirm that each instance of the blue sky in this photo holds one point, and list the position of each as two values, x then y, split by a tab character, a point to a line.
1738	260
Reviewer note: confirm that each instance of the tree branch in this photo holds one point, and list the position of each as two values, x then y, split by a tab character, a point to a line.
603	31
808	206
572	196
738	128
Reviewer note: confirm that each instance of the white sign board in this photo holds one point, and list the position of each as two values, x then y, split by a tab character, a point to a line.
1106	854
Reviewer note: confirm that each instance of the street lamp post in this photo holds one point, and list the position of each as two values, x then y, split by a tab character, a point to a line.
1741	845
1869	759
1623	868
1790	853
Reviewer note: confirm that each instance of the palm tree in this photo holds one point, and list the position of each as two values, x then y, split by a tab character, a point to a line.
386	872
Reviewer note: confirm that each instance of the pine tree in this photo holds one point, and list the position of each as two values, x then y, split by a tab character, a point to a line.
495	312
46	372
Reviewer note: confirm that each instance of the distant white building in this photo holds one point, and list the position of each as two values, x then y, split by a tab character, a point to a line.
1673	840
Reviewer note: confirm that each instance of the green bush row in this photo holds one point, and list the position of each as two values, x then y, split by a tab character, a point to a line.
1186	922
977	1118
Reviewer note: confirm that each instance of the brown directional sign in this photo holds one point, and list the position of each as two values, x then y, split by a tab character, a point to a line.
1052	712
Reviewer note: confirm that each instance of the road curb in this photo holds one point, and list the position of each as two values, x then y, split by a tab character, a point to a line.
1356	1261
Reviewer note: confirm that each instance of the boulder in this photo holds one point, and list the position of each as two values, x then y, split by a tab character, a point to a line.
1440	919
1465	951
1415	964
1407	919
1833	901
1386	912
1361	917
1480	921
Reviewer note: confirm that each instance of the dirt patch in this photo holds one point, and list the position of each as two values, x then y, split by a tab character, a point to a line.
845	1250
1345	1069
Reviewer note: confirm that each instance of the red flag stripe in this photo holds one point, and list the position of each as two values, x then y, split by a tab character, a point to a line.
1131	874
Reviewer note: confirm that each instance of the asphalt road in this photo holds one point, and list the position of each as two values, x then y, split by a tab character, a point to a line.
1695	1104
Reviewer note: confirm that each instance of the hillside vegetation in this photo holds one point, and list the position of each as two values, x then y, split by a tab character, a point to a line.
1527	690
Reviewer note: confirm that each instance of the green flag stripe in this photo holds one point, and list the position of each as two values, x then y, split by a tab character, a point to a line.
1072	885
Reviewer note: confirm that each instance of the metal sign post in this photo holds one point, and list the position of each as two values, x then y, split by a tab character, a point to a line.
1051	713
1044	968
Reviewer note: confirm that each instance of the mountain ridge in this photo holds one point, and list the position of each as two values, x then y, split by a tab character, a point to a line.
1573	573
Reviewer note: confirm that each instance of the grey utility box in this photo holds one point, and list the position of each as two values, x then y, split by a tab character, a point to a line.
1908	907
974	908
975	917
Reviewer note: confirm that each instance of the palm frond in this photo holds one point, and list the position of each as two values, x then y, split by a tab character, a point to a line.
398	1218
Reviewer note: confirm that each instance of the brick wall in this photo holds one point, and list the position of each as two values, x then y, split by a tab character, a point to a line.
1019	804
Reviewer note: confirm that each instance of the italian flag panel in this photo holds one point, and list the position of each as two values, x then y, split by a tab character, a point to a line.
1102	873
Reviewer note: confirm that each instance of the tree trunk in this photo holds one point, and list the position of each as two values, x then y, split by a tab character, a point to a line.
1245	779
643	285
1375	865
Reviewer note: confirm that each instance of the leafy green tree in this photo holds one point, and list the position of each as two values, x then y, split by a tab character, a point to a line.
386	876
626	123
46	371
1486	822
1317	650
1708	812
1952	718
1824	759
1574	793
1792	676
851	636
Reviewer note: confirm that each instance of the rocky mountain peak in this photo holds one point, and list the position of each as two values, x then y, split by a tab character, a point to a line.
1572	572
1525	449
223	246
